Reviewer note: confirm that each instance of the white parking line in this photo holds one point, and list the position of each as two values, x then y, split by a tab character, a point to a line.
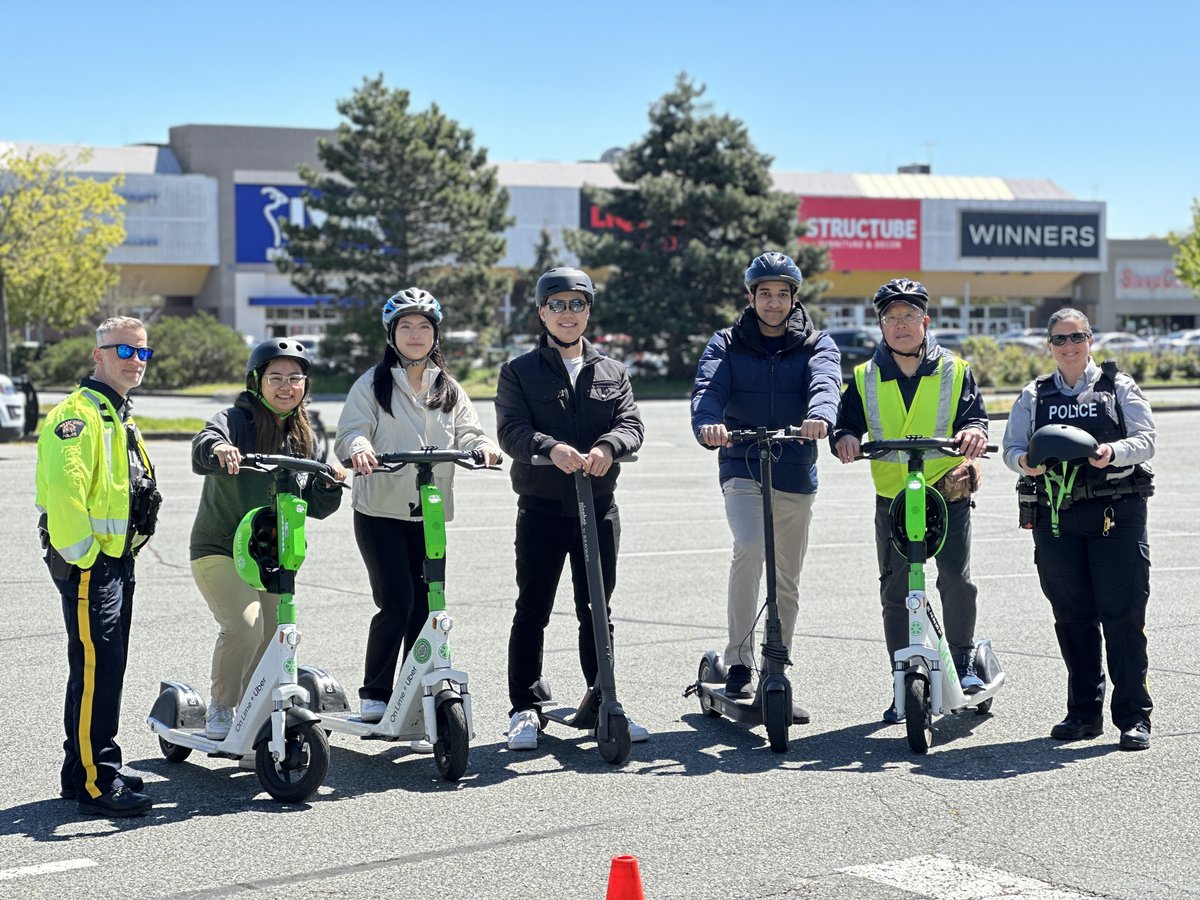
53	868
941	878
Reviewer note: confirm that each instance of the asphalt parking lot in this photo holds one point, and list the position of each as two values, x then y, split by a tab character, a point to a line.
995	809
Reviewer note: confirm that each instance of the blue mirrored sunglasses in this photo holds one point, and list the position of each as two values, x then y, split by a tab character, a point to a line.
126	351
575	304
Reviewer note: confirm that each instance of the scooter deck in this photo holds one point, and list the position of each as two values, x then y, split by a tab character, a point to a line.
572	717
748	709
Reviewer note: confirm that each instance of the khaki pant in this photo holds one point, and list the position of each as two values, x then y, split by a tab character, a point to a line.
247	621
792	514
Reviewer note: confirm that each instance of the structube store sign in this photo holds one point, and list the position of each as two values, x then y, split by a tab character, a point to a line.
1029	235
863	233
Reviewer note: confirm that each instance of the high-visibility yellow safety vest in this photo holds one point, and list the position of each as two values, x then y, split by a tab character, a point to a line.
83	478
931	415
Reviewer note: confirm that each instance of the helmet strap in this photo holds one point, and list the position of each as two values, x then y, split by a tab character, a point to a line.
1064	480
278	412
565	345
916	354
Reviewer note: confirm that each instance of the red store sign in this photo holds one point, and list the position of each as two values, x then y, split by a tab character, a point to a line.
863	233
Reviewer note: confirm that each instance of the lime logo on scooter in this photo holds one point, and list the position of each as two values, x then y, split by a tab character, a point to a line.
289	665
421	651
916	629
444	651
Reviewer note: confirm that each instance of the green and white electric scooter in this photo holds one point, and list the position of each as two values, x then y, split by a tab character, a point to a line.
926	681
272	721
430	699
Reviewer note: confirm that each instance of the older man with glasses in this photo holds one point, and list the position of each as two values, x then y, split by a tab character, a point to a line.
97	497
913	387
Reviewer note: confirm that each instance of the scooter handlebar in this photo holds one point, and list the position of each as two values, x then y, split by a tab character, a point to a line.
539	460
939	446
393	462
788	433
266	462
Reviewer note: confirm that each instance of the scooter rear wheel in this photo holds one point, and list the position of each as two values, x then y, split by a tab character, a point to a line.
305	763
706	676
615	750
453	744
985	707
918	717
775	717
173	752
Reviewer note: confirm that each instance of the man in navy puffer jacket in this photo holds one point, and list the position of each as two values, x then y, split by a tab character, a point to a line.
771	369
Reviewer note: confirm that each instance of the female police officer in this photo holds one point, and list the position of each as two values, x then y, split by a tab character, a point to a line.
1092	554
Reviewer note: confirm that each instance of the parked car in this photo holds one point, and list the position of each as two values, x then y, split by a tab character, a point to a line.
1177	341
856	345
1028	338
1121	342
12	410
950	338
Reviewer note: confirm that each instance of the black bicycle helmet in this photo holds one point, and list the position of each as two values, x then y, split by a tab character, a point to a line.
935	522
274	348
1052	444
563	278
911	292
773	267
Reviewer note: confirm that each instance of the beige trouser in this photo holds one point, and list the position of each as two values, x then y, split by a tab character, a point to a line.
792	514
247	621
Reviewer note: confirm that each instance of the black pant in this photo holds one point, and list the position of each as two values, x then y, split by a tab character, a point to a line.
97	606
954	585
544	542
394	553
1099	584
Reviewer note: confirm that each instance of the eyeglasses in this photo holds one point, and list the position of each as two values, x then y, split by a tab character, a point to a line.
278	381
906	319
126	351
575	305
1075	337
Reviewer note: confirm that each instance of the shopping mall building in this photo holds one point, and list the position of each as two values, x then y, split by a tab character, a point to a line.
203	211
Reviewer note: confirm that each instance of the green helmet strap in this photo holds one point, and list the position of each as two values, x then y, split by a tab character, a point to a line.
1064	481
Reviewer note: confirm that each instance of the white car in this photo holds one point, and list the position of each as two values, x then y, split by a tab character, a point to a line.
12	410
1178	341
1029	338
1121	342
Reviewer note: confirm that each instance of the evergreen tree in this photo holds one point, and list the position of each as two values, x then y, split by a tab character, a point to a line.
524	319
406	201
703	206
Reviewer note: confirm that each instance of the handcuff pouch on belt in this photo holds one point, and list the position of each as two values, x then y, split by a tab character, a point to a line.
144	501
1058	488
59	568
960	482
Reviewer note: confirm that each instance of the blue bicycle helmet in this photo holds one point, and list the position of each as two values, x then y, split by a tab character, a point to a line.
773	267
409	301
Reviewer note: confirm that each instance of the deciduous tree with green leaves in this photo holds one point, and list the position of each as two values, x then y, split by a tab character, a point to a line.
56	228
1187	252
406	200
702	205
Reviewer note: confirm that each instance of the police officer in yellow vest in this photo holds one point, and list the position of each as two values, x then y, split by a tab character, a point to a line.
911	386
96	493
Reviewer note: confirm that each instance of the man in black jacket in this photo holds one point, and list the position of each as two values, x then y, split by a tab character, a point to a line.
565	401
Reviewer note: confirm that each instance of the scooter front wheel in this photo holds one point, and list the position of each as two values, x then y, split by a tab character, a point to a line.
706	676
173	752
918	717
615	750
305	763
775	717
453	743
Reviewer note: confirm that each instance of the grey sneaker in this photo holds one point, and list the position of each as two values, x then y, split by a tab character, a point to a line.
218	722
523	730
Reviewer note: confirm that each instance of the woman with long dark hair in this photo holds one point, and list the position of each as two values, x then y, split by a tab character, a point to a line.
409	400
268	417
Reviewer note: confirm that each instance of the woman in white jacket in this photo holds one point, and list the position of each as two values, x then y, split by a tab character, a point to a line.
407	401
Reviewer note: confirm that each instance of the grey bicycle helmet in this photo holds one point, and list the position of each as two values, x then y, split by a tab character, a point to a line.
409	301
563	278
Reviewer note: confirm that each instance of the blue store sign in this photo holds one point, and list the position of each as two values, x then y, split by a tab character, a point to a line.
258	210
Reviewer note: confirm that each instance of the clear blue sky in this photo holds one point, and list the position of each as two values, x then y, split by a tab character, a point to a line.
1099	97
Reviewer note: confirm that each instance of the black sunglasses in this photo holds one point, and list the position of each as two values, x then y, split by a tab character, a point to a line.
1075	337
126	351
575	304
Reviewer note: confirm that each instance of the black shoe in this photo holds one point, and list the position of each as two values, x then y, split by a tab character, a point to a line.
1136	738
1071	729
117	804
133	782
737	682
891	716
968	678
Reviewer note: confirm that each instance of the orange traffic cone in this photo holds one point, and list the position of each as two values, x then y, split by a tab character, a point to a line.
624	881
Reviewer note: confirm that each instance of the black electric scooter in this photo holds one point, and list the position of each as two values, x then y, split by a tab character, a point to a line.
772	703
600	710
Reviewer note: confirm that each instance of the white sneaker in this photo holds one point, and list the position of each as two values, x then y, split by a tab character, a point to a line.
637	733
218	722
249	761
523	730
373	710
420	746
